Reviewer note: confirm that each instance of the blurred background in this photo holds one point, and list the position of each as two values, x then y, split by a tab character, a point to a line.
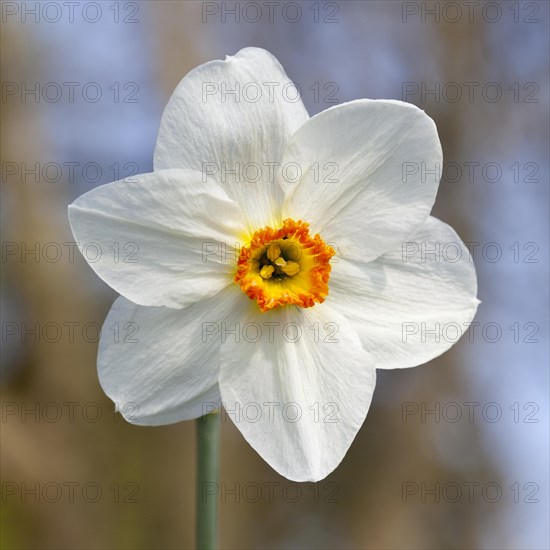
452	455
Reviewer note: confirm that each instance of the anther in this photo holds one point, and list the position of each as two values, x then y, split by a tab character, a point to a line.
290	268
273	252
267	271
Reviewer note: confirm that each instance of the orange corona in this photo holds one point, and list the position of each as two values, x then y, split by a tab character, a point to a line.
285	266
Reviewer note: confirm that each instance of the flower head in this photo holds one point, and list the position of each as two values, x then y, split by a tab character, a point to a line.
280	259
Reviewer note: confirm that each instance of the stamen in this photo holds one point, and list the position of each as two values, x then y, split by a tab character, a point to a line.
273	252
291	268
267	271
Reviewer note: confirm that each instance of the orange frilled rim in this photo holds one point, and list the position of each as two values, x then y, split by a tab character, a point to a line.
306	288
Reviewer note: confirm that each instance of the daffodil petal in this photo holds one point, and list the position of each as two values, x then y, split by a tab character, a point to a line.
300	392
162	239
232	115
412	304
368	175
160	365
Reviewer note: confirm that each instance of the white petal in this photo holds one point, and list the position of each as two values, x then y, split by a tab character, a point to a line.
356	189
157	239
298	403
158	364
207	128
395	301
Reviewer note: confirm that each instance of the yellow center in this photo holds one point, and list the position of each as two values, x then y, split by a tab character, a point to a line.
285	266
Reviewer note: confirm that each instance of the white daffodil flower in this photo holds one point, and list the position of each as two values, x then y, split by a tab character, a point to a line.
277	261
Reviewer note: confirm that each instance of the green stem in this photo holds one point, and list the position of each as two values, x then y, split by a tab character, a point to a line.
208	435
